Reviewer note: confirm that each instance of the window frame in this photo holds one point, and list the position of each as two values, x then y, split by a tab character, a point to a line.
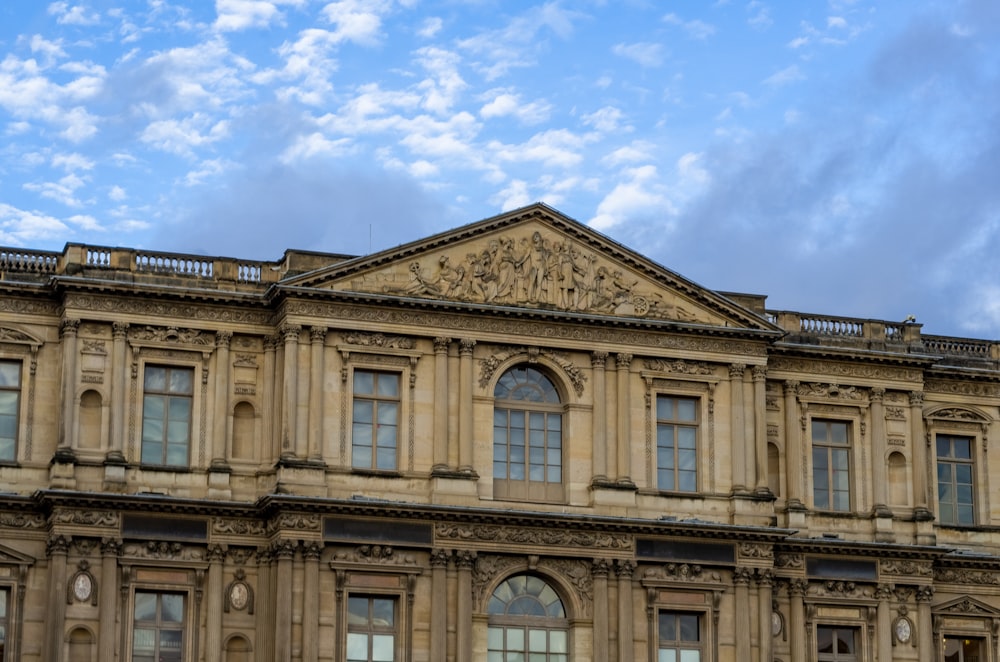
185	624
677	644
6	643
666	594
19	403
513	489
830	448
507	622
859	648
376	371
695	425
370	630
167	394
954	462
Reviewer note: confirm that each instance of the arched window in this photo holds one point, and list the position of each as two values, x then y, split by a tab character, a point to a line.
527	621
527	437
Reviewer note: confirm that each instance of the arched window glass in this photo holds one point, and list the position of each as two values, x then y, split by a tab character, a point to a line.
527	437
527	621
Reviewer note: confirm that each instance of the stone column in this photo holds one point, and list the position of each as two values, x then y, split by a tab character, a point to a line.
464	560
741	619
758	476
439	604
57	549
465	462
107	644
310	607
738	435
926	649
70	410
599	569
268	420
920	510
883	623
284	552
624	421
213	605
290	400
880	476
317	337
626	629
611	421
797	618
600	421
765	582
221	398
793	447
441	410
120	366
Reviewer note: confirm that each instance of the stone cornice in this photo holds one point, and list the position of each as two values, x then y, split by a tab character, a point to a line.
860	549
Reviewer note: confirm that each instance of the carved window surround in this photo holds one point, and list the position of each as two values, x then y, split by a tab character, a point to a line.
858	448
19	346
842	604
682	587
14	579
188	582
966	422
964	618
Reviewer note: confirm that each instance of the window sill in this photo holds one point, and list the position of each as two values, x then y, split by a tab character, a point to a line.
178	469
377	473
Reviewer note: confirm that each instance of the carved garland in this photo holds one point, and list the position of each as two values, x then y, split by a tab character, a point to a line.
489	366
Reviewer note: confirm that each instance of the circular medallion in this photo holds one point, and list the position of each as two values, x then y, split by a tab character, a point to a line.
238	595
775	623
83	587
903	630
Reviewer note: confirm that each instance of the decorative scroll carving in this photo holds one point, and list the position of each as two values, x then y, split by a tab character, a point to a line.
683	572
87	517
378	340
163	550
966	576
22	520
905	567
678	366
522	536
749	550
374	555
489	365
832	391
983	389
300	521
895	413
577	572
245	360
844	589
790	561
240	527
957	414
533	270
172	334
486	569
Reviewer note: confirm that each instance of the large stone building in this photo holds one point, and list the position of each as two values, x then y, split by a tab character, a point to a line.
517	440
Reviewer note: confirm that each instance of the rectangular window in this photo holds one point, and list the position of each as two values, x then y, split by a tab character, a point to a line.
680	637
167	398
375	431
158	627
955	480
963	649
836	643
371	628
10	404
831	455
677	443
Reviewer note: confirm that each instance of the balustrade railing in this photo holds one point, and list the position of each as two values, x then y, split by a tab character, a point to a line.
33	262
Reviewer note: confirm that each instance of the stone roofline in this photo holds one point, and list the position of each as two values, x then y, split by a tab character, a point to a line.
225	273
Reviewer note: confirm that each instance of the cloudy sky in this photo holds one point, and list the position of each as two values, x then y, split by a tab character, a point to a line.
839	156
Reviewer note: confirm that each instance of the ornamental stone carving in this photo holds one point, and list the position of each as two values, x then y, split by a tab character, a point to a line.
486	569
162	550
789	561
538	270
966	576
905	567
22	520
678	366
172	334
86	517
844	589
489	365
682	572
239	527
833	392
749	550
374	555
378	340
523	536
297	521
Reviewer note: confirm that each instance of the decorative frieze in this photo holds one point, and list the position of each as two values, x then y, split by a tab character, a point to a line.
681	572
678	366
379	555
525	536
86	517
239	527
966	576
907	568
378	340
163	550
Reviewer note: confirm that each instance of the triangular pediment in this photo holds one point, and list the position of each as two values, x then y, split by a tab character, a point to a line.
10	557
968	606
534	258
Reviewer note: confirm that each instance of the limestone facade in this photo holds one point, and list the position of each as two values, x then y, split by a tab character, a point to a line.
516	437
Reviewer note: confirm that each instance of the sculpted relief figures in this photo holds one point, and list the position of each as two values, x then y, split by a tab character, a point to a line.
531	271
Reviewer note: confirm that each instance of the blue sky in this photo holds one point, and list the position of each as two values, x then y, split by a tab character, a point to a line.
840	156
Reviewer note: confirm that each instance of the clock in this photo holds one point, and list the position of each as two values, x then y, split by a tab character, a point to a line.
903	629
83	586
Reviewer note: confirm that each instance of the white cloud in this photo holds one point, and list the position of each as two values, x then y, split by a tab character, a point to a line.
182	136
759	15
71	162
17	128
358	21
75	15
606	120
313	145
639	197
645	54
117	193
62	191
86	222
194	78
234	15
308	59
784	77
208	169
513	196
504	103
441	91
696	29
18	227
836	22
430	27
554	148
49	50
421	169
637	151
